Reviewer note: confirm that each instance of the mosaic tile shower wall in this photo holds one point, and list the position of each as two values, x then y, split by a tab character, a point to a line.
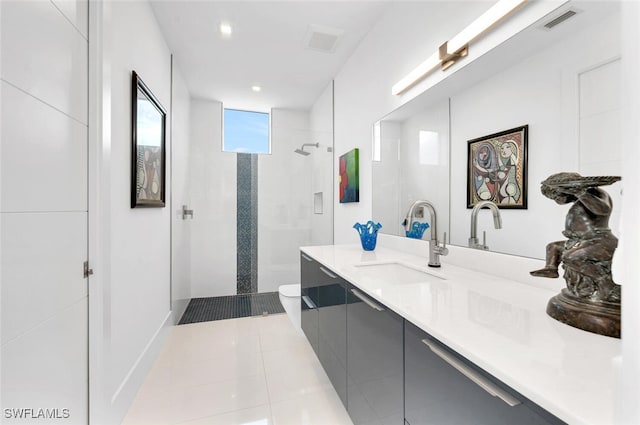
247	223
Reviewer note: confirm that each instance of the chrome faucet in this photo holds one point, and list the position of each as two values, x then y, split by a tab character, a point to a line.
497	223
435	249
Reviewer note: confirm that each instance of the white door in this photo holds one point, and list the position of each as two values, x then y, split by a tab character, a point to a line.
43	204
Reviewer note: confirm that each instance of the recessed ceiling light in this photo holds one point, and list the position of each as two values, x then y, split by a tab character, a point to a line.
256	88
225	29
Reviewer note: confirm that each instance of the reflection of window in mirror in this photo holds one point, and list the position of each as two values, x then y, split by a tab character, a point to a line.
148	122
429	148
376	142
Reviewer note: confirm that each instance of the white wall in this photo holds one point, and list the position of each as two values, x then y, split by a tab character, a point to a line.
213	198
629	382
284	200
43	139
542	91
322	173
180	195
406	35
133	245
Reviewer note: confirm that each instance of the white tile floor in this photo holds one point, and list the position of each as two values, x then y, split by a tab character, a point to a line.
253	371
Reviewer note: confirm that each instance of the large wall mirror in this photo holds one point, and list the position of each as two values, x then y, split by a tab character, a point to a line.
563	82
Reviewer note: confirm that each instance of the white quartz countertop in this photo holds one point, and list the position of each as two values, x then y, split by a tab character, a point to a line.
498	324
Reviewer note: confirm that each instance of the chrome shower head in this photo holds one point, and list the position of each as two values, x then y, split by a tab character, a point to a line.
301	151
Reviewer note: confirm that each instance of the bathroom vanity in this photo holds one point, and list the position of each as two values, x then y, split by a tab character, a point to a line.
404	343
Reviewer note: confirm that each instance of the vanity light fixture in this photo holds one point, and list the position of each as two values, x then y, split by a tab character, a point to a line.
256	88
417	74
450	51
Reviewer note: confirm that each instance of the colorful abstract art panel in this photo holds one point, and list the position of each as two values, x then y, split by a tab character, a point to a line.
497	169
348	178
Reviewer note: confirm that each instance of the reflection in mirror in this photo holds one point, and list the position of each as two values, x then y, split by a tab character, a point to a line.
562	82
412	164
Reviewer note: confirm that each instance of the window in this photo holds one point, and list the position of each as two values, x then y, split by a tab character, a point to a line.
246	132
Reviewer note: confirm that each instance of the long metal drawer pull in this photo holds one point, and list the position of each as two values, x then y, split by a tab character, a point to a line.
476	377
305	257
328	273
308	302
366	300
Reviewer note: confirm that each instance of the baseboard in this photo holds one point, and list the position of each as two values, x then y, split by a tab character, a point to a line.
125	394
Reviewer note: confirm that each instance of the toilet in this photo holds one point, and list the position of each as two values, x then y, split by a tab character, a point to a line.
290	299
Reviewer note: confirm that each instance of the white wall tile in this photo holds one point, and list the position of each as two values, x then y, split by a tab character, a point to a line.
44	55
57	379
77	11
44	165
42	256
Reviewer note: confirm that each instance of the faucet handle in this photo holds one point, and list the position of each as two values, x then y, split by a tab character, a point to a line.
442	249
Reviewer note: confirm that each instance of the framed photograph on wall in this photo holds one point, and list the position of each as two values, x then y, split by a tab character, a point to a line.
349	178
497	169
148	125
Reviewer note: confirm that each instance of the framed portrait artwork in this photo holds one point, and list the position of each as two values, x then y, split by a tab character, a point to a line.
497	169
148	124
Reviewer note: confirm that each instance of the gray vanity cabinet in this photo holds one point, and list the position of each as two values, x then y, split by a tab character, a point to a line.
375	361
442	387
309	278
324	320
332	330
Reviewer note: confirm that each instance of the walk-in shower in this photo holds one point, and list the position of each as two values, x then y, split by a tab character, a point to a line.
301	151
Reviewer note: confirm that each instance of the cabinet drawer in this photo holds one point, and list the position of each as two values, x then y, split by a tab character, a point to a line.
309	299
444	388
374	360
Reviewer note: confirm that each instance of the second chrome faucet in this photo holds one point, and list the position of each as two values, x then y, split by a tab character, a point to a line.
497	223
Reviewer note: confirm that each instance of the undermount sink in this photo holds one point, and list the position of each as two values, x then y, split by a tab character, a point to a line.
396	273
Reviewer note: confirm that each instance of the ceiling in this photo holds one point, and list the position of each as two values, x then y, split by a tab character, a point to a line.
266	48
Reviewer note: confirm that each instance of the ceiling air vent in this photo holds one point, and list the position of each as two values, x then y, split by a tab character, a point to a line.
323	39
560	19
